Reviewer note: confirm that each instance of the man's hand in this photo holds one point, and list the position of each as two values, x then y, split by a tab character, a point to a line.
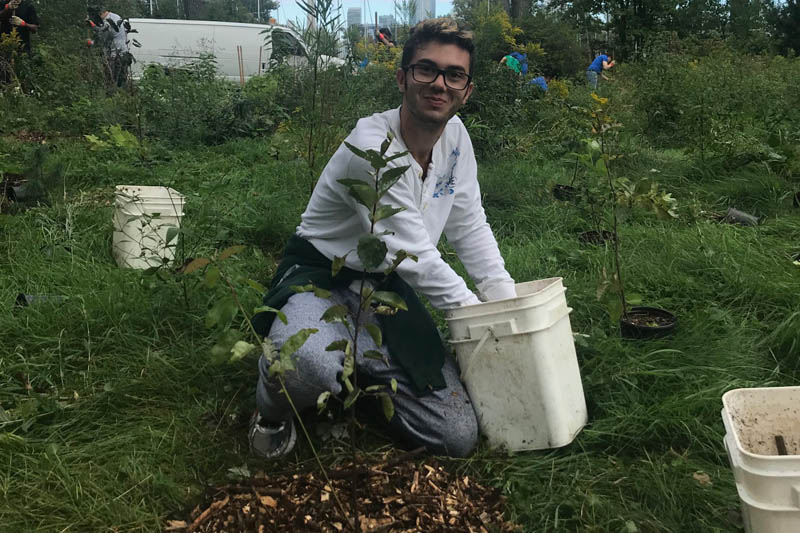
16	21
14	4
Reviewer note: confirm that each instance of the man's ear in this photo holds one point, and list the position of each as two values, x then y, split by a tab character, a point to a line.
468	92
400	75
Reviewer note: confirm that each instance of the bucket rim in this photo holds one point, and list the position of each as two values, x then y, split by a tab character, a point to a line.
147	191
728	421
495	306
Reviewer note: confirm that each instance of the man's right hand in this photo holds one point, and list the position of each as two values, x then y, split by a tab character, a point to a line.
14	4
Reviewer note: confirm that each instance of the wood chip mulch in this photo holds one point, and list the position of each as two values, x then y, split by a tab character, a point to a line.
394	495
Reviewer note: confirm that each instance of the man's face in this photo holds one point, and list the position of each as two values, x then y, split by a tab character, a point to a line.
434	103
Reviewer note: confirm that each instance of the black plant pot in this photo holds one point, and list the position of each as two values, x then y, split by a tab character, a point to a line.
596	237
565	192
15	187
647	323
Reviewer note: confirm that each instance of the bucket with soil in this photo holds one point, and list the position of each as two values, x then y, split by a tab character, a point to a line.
647	323
763	445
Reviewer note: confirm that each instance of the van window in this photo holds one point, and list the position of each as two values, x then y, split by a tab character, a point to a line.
285	45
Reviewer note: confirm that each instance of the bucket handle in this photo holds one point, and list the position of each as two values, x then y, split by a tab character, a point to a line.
469	362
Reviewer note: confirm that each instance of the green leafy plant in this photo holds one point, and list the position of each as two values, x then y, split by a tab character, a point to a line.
622	194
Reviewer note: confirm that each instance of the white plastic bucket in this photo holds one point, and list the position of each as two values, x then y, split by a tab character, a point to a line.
758	513
768	484
518	363
143	217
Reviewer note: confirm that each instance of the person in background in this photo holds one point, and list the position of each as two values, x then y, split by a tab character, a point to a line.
112	34
540	82
21	16
384	36
438	194
600	64
516	62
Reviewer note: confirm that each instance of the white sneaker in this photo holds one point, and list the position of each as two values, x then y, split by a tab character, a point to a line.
271	441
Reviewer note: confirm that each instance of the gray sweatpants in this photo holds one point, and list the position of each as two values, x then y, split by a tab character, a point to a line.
443	421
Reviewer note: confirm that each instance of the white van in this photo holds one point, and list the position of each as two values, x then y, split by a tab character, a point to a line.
179	43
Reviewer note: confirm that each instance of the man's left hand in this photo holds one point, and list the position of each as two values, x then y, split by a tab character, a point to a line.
16	21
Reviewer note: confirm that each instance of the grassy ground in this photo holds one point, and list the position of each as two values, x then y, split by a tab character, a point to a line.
116	413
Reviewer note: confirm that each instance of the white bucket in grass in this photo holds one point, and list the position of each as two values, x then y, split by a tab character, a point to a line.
146	220
767	482
518	362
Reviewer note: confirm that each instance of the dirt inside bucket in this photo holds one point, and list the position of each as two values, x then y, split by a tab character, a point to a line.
768	432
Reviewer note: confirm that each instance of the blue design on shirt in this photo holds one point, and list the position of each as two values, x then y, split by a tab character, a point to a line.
446	183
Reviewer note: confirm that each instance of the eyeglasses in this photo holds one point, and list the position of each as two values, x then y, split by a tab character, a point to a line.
453	79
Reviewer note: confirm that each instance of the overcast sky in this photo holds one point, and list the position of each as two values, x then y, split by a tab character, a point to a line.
289	11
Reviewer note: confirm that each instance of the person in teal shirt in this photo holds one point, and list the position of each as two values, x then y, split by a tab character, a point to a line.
595	70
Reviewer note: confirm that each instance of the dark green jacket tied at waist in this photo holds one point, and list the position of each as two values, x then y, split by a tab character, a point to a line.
411	336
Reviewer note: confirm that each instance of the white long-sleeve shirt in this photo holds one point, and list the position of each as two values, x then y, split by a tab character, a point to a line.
113	35
448	201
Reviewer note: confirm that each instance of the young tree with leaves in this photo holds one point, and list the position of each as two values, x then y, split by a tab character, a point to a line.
426	171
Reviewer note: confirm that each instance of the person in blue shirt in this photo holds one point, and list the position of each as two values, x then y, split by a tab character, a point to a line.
595	70
539	81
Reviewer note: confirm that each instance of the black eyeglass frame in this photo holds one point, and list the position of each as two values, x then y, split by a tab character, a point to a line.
439	72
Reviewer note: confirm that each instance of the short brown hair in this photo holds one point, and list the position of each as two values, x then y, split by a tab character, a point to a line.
443	30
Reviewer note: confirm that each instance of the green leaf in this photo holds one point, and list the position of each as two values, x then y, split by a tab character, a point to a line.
338	264
387	404
240	350
374	388
633	298
322	400
375	159
266	308
614	306
348	385
221	351
319	292
391	299
393	384
385	144
375	332
391	174
389	178
257	286
211	277
196	264
342	345
395	156
268	349
222	313
172	232
364	194
373	354
231	250
302	288
359	152
295	342
348	366
371	251
335	313
385	211
351	398
600	167
401	256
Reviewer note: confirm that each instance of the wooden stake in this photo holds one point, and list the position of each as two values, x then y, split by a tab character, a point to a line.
241	64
